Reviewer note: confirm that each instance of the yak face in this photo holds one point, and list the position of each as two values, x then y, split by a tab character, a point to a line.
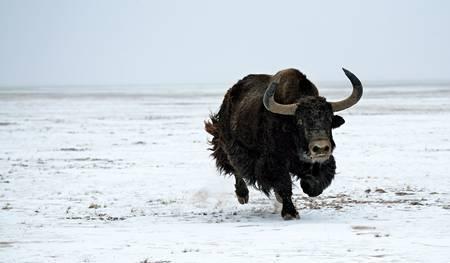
314	120
314	117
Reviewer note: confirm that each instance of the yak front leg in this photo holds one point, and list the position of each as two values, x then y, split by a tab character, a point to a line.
319	177
283	193
241	190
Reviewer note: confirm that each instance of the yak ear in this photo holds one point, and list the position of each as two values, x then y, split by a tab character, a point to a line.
337	121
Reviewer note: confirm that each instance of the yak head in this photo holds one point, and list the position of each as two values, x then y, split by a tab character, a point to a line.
314	118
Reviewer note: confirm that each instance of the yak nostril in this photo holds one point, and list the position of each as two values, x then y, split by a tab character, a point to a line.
315	148
320	147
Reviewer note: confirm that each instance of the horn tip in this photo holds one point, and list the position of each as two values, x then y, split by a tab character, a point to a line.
352	77
346	71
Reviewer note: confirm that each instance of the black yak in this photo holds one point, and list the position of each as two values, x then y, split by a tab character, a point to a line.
272	128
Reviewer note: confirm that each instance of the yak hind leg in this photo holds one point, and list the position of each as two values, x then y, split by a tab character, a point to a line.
239	158
241	190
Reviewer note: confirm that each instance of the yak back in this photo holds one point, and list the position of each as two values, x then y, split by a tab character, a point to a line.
248	119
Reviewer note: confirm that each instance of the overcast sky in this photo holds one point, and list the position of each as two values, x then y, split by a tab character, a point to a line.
144	42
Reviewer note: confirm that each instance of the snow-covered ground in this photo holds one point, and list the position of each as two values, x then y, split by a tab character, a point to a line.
123	175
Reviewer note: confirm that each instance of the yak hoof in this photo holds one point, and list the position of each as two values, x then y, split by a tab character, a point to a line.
242	199
289	212
291	217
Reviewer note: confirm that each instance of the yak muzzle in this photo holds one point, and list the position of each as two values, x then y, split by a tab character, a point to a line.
320	150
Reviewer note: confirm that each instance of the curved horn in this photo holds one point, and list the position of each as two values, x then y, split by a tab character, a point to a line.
273	106
353	98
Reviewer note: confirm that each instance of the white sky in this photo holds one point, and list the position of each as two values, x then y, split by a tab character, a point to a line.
141	42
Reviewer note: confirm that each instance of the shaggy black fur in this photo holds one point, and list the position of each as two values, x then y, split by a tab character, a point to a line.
265	149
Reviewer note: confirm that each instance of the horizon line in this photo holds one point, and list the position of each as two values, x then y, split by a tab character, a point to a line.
373	83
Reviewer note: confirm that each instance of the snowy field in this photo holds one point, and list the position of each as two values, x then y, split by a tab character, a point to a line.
123	175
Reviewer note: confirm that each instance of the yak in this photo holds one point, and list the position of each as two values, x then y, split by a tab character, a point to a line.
273	128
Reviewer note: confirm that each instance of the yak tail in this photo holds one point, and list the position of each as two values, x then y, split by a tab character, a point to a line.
212	127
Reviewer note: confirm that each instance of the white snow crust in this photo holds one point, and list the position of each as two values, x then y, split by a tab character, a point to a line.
122	174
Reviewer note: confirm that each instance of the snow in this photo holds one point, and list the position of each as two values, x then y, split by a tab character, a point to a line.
122	174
